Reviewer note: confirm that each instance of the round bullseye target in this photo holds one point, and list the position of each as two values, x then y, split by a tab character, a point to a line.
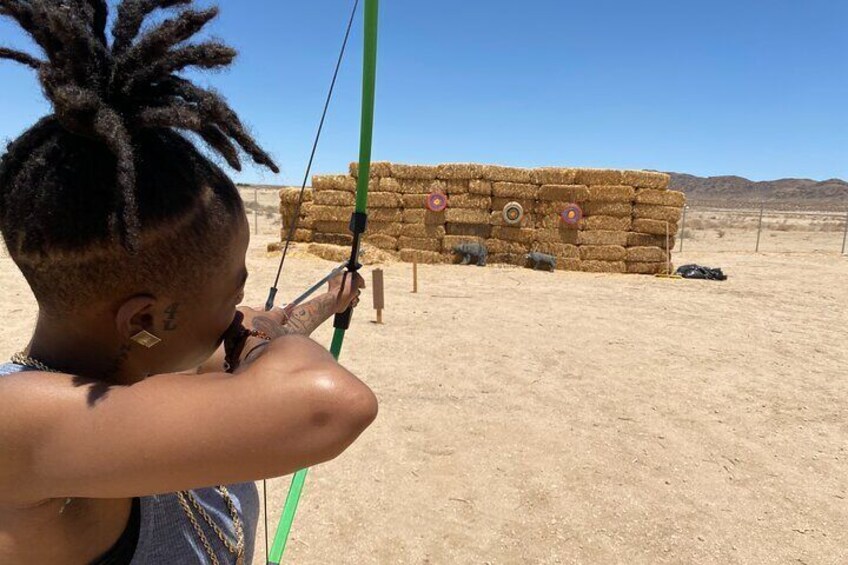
513	213
437	202
572	214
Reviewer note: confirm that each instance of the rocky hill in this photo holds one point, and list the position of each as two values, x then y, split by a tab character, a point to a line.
733	190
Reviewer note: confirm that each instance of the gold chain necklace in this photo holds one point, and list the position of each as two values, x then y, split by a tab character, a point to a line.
21	358
184	497
187	496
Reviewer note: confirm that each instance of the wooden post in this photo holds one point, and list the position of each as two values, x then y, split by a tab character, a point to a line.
667	250
760	226
415	277
379	296
683	228
845	235
255	211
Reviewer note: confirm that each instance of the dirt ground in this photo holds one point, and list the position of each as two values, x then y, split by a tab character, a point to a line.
529	417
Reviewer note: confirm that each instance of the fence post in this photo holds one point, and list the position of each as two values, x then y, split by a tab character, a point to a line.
845	235
683	227
255	211
760	226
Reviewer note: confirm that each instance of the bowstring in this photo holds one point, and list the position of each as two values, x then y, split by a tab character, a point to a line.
296	216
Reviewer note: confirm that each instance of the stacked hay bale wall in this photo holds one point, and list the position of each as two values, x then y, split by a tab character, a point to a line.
630	218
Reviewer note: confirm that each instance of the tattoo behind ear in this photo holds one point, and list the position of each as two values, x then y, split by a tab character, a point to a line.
170	323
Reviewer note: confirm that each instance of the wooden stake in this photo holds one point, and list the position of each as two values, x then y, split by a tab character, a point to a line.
379	296
667	251
415	277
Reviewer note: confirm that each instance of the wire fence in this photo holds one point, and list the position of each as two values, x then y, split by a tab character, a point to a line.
763	227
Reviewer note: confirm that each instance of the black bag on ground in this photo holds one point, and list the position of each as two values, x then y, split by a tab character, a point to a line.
699	272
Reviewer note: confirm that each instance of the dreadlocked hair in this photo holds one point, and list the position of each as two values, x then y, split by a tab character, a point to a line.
113	163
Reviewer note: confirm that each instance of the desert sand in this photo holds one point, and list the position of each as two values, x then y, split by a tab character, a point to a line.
530	417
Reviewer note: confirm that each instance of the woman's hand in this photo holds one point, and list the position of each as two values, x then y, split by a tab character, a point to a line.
346	288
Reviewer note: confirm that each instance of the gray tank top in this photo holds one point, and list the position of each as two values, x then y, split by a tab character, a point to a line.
167	537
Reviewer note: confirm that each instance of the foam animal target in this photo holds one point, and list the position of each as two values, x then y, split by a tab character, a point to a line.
513	213
572	214
437	202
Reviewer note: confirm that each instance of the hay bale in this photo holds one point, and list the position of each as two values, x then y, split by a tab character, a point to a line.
459	171
648	240
455	187
423	257
648	268
378	169
422	186
501	246
388	184
331	213
602	253
335	253
334	198
414	172
605	223
384	228
332	227
563	193
425	217
384	200
413	200
422	231
380	241
498	204
559	250
556	235
422	244
553	175
483	231
497	219
646	179
474	201
646	254
390	215
498	173
466	216
332	238
668	214
660	197
291	195
612	193
451	241
592	177
517	234
617	209
566	264
602	237
603	266
552	207
343	183
301	236
515	191
516	259
480	187
655	227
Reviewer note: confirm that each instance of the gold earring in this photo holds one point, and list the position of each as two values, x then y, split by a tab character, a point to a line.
146	339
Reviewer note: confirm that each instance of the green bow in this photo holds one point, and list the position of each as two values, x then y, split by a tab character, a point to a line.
358	224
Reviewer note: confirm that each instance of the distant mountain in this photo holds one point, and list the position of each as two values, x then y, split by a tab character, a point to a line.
733	190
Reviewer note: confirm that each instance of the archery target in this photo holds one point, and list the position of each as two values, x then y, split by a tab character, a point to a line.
437	202
572	214
513	213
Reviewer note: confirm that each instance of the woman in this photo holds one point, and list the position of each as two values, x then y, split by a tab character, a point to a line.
133	243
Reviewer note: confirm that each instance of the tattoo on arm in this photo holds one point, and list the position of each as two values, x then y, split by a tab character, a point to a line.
304	319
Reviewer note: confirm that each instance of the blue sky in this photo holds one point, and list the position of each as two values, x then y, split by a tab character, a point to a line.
754	88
